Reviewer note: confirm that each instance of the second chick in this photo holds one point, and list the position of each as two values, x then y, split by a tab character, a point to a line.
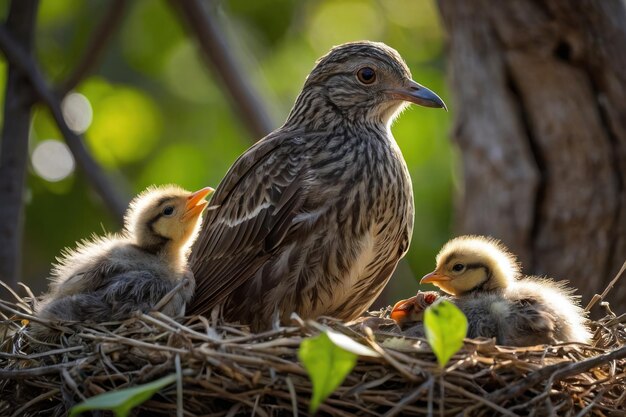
485	281
109	278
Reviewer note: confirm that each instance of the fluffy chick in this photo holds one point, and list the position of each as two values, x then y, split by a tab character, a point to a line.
486	283
108	278
410	311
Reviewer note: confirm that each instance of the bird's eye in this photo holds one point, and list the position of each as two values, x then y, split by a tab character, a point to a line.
458	267
366	75
168	211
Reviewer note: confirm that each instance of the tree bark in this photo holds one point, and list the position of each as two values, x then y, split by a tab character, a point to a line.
14	147
540	89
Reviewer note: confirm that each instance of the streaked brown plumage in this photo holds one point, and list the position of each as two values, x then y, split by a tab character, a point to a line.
315	216
108	278
485	281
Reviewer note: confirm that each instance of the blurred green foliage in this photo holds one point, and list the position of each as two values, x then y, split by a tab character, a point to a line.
446	327
160	116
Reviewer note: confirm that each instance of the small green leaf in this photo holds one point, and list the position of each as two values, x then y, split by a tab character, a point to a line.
351	345
327	365
122	401
446	327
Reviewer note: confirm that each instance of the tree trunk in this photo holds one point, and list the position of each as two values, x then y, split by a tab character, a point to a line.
14	146
540	108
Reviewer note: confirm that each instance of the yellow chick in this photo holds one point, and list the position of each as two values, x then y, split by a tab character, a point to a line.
486	283
108	278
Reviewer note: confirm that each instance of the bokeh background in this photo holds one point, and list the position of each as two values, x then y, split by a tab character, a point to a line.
153	112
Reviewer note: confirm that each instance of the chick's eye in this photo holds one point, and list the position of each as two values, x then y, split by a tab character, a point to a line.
458	267
168	211
366	75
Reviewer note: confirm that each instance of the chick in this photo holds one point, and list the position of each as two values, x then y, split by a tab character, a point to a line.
108	278
409	311
486	283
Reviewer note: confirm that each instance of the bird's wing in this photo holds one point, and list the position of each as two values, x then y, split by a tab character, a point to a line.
114	298
250	214
483	313
531	323
133	290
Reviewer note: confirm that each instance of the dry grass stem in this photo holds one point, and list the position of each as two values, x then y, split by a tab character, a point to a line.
225	370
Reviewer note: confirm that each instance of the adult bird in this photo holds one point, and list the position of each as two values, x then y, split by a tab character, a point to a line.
314	218
109	277
485	281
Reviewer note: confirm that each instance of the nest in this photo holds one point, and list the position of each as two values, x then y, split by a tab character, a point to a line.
224	370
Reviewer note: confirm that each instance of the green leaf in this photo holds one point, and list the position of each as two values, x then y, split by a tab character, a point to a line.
122	401
446	327
327	365
351	345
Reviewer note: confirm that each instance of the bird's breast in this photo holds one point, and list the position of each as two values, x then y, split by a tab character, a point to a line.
371	220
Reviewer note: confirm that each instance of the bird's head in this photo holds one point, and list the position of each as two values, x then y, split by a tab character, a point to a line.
166	217
469	263
412	310
360	80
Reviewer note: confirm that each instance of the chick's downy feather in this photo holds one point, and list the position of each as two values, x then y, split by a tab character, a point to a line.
109	277
486	283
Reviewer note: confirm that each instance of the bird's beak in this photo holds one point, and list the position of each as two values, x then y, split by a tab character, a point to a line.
402	309
196	203
418	94
434	278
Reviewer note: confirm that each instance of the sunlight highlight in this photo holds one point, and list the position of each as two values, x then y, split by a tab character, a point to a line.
52	160
77	112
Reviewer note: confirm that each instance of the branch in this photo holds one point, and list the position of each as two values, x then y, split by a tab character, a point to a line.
608	288
244	97
555	373
39	371
14	146
95	47
16	56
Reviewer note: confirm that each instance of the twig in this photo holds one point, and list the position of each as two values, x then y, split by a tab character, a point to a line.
479	398
39	371
441	394
589	406
132	342
232	375
7	307
167	297
27	289
164	318
69	381
555	373
41	354
608	288
292	394
10	291
34	401
157	322
431	395
179	387
95	46
16	55
244	98
410	398
391	361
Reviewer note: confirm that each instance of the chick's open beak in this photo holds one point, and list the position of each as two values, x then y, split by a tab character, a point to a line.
434	278
196	203
418	94
402	310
